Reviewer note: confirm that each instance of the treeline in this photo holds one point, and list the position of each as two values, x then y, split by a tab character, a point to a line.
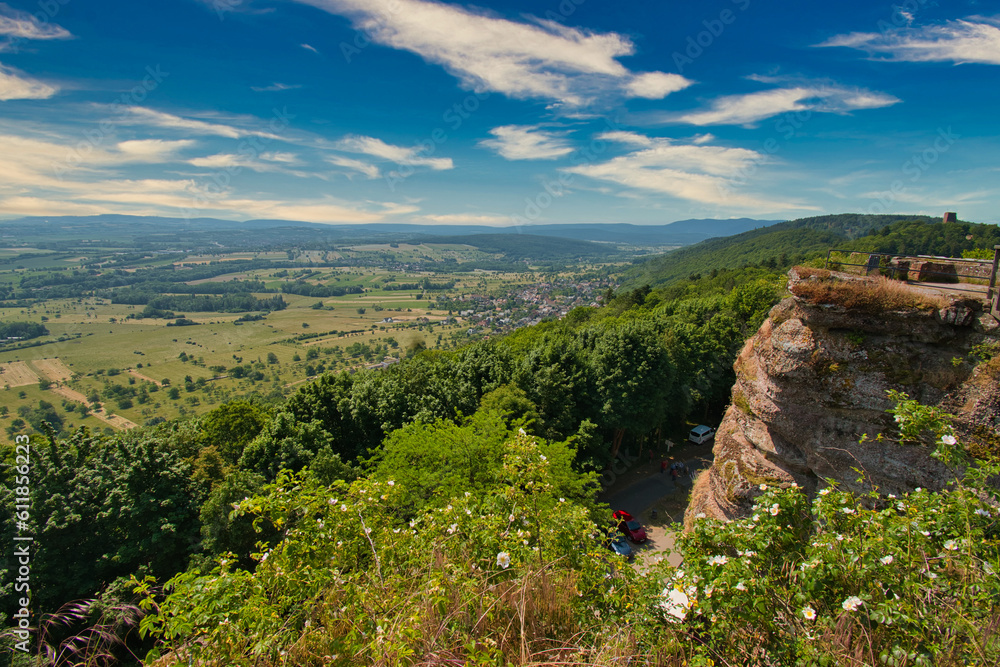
230	303
303	288
226	287
914	237
632	371
777	247
425	285
22	330
70	284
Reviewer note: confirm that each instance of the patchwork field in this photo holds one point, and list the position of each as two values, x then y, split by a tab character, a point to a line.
17	374
126	364
54	369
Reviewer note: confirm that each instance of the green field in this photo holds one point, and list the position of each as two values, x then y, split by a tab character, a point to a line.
111	353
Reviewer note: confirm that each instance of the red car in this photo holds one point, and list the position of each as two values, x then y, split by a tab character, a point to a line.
629	527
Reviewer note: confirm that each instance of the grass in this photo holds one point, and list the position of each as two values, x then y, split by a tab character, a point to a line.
216	341
873	295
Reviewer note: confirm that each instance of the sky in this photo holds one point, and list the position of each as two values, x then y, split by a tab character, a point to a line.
510	112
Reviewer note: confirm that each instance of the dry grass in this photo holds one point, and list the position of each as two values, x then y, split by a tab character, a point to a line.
874	295
811	272
55	369
17	374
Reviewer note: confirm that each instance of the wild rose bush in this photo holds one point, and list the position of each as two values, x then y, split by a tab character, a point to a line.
842	579
513	574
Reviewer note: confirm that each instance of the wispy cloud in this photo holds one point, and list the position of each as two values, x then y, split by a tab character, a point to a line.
754	107
15	25
366	168
398	154
970	40
275	87
38	162
16	86
309	47
38	178
264	163
539	60
694	172
152	118
466	219
526	142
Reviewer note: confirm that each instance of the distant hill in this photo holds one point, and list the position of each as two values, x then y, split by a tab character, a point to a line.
165	231
519	247
779	244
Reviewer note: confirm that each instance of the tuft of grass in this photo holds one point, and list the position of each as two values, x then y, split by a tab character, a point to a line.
875	295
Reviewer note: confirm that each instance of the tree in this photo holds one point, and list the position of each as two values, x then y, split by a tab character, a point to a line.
634	376
230	428
102	507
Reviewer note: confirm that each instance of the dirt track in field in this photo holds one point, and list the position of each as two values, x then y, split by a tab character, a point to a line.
114	421
144	377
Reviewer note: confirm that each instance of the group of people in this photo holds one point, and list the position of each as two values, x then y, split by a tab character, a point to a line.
676	468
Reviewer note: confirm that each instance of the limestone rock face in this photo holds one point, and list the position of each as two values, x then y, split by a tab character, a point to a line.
813	381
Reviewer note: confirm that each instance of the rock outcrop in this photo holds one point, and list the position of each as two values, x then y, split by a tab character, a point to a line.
812	383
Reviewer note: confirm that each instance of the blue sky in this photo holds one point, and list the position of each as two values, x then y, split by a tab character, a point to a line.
498	113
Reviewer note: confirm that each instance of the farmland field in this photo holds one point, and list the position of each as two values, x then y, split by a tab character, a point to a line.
135	338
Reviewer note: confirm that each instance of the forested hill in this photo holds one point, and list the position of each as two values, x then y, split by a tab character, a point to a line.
517	247
776	246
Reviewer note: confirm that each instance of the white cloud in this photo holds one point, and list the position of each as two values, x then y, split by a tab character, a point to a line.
366	168
307	47
30	162
14	86
22	25
275	87
695	172
151	118
628	138
399	154
273	162
526	142
49	175
466	219
539	60
655	85
972	40
754	107
152	150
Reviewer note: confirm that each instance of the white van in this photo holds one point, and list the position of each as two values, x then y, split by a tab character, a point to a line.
700	434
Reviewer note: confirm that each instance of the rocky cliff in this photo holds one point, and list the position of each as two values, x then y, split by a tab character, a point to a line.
813	381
